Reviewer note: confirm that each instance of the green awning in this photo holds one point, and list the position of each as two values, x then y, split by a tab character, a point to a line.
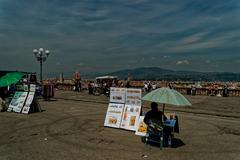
10	78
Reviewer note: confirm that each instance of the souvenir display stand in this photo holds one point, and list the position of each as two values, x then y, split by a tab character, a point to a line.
124	108
25	101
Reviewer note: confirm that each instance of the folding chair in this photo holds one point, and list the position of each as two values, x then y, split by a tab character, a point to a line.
155	133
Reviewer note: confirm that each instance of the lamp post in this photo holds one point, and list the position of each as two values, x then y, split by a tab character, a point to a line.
41	56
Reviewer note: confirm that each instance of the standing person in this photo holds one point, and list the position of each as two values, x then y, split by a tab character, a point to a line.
154	86
225	91
79	85
149	87
90	88
193	91
121	85
113	84
128	84
170	86
145	87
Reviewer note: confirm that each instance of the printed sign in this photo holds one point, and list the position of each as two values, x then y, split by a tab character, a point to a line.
32	87
28	103
117	95
130	117
25	88
17	102
141	127
114	115
20	87
133	96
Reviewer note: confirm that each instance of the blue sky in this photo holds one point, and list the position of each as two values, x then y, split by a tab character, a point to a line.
109	35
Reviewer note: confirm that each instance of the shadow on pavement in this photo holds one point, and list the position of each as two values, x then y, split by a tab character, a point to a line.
176	143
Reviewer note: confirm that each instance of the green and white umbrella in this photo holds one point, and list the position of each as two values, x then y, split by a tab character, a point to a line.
10	78
167	96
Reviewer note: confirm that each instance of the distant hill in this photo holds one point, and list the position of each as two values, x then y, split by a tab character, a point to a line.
154	73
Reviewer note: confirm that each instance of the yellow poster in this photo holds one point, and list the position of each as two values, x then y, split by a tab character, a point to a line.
141	127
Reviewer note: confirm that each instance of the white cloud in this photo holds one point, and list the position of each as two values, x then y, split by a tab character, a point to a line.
165	56
193	38
183	62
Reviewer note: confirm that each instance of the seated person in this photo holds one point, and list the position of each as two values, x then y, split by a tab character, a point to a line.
154	114
154	120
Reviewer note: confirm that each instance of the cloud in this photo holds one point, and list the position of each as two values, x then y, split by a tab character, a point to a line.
194	38
123	33
183	62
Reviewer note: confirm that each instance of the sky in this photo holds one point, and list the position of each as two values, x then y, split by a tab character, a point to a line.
110	35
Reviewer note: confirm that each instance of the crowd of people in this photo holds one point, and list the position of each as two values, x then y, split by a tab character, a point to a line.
104	87
95	87
149	86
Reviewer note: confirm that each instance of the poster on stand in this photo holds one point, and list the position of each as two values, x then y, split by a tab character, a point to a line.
28	103
130	117
141	127
32	87
114	115
133	96
19	87
117	95
17	102
25	88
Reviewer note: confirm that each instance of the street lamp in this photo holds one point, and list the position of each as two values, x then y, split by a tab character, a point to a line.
41	56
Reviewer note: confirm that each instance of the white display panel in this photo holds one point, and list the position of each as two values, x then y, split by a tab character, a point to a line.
114	115
28	103
18	101
117	95
133	96
130	117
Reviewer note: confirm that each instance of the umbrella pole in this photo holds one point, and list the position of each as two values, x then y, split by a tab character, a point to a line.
163	108
161	138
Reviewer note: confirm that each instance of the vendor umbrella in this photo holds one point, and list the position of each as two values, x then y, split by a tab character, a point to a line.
167	96
10	78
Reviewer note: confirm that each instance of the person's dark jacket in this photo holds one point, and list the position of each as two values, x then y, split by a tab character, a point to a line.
153	115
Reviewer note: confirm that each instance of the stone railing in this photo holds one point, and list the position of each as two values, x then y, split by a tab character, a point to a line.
208	92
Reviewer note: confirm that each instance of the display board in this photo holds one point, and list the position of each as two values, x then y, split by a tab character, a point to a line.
17	102
114	115
28	103
26	87
32	88
117	95
141	127
130	117
19	87
124	108
133	96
